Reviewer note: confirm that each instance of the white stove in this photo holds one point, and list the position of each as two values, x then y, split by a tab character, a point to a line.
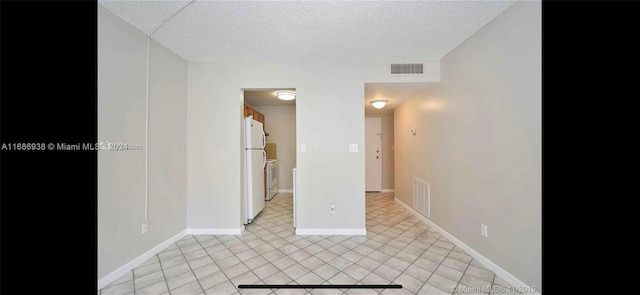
272	179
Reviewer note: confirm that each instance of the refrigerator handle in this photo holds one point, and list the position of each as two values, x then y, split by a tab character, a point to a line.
264	139
264	159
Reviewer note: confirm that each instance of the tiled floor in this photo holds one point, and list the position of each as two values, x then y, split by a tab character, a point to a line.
398	249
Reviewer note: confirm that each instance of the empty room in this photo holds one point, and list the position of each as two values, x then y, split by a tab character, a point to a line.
391	145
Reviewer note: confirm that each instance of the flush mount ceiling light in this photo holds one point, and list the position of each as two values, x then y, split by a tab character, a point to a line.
378	104
286	95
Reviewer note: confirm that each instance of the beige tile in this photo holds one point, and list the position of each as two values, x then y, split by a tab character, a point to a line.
387	272
406	257
435	257
246	255
255	262
205	270
408	282
342	279
176	270
312	263
357	272
310	279
475	282
122	288
225	288
449	273
266	271
148	269
397	264
296	271
480	273
326	271
368	263
418	272
235	270
283	263
299	255
198	262
326	256
188	289
340	263
273	255
428	289
379	256
181	280
374	279
426	264
124	278
149	279
462	257
212	279
153	289
455	264
246	278
442	283
279	278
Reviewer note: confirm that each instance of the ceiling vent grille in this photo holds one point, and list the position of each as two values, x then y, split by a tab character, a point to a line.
406	69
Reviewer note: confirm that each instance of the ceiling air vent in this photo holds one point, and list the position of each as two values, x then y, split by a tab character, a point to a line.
406	69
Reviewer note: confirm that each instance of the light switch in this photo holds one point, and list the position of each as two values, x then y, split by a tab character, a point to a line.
303	148
353	147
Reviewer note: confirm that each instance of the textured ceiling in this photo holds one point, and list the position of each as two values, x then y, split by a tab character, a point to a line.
395	93
309	30
266	97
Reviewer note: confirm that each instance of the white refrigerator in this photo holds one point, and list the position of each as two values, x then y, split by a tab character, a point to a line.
255	161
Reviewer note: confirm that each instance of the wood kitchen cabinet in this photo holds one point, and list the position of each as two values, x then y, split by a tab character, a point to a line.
249	111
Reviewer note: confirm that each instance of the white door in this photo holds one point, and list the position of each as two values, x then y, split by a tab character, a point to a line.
373	154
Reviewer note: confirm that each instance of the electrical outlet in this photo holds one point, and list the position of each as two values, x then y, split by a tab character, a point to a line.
332	209
353	147
483	230
303	148
145	227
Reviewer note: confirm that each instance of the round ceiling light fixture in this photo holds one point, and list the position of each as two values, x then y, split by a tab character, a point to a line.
286	95
378	104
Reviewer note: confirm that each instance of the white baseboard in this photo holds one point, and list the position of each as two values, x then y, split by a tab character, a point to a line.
116	274
511	279
214	231
331	231
281	190
388	190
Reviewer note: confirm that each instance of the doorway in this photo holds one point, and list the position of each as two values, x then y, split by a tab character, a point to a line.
278	118
373	154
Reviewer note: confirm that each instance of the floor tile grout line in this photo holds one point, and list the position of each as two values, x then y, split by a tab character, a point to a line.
163	275
190	268
214	262
134	282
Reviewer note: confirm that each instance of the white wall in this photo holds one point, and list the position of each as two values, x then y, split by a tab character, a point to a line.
329	116
281	126
478	142
388	177
122	68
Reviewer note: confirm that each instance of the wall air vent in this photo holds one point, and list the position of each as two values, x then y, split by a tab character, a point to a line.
406	69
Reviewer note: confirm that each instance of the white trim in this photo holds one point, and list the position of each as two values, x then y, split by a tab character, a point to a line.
388	190
214	231
281	190
511	279
331	231
120	271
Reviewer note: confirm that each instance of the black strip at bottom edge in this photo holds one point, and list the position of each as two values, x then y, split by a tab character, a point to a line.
319	286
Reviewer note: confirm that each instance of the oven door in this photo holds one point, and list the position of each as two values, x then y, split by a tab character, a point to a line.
273	175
